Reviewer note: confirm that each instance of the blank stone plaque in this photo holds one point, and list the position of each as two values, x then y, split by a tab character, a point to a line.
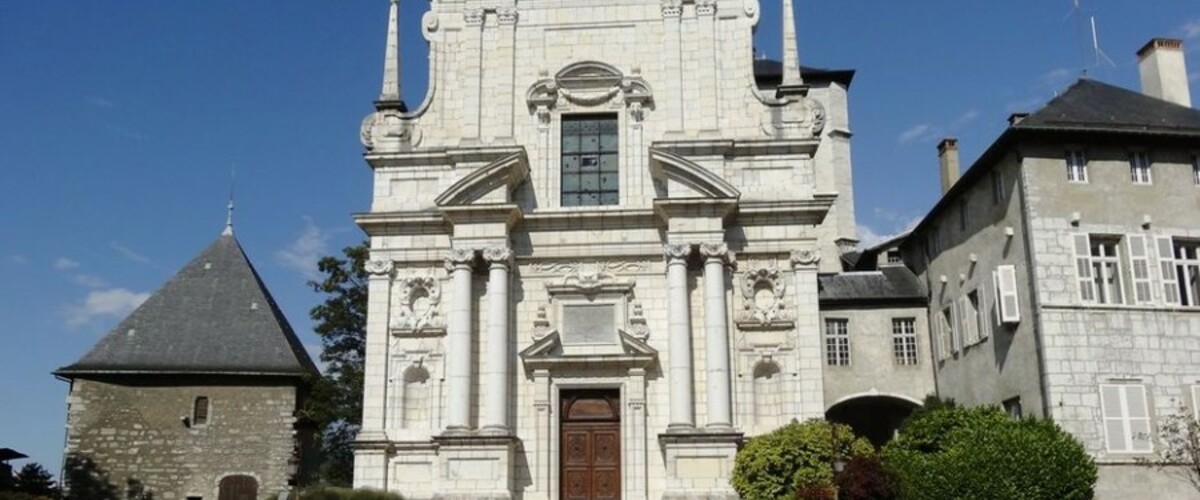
589	324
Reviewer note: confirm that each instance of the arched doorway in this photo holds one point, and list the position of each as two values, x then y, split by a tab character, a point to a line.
874	417
238	487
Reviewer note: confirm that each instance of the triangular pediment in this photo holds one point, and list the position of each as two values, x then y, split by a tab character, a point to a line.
688	178
491	183
548	352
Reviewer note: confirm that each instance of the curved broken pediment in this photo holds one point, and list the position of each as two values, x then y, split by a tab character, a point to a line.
670	167
589	83
507	172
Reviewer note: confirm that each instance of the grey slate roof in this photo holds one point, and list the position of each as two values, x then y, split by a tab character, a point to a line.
1092	105
214	317
889	284
769	72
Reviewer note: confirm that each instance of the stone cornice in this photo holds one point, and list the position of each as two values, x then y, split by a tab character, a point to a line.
736	148
507	213
441	156
402	223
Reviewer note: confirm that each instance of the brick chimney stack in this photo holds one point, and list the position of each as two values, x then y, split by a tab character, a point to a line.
948	158
1164	71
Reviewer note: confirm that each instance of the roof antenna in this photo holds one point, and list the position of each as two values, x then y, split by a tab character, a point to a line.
229	208
1096	46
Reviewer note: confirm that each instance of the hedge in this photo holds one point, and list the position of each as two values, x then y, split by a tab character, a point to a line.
776	465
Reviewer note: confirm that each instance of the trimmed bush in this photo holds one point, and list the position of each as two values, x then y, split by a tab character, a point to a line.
776	465
980	453
865	478
332	493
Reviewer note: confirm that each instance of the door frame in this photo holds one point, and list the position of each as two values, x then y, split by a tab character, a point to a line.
615	423
628	428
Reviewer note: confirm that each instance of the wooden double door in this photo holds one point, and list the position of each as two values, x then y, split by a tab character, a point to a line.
590	439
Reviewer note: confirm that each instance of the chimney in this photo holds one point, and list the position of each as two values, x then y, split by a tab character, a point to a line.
948	158
1164	72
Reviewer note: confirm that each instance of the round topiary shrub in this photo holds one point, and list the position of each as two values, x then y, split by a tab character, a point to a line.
776	465
980	453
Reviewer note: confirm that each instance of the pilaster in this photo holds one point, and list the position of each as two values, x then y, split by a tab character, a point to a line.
810	395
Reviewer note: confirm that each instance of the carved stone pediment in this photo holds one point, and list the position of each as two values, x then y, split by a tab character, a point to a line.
590	83
549	353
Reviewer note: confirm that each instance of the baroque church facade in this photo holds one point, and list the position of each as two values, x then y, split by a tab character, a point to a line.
603	251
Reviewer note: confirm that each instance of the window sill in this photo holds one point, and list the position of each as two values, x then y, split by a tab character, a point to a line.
1126	307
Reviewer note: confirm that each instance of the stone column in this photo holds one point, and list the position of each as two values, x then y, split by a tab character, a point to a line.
716	336
495	374
679	338
375	365
458	342
809	396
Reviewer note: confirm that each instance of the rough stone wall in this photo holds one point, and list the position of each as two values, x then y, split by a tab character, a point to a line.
1005	364
133	430
873	369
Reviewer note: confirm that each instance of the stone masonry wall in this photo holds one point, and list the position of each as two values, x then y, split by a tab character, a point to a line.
134	431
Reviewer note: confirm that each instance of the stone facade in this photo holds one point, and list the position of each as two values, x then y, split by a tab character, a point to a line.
136	430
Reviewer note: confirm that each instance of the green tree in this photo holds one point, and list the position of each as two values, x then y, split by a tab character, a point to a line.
981	453
335	399
34	480
794	458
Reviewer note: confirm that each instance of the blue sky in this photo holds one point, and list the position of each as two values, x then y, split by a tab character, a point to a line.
120	121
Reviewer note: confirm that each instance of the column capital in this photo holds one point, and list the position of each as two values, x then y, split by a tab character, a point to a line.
507	16
498	256
379	267
719	251
677	251
671	8
459	258
706	7
806	257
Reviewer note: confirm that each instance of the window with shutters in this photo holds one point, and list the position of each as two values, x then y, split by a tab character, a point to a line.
1186	265
904	341
1076	166
942	330
1126	416
1098	269
998	193
953	328
590	160
837	342
1139	167
200	412
1007	304
1196	170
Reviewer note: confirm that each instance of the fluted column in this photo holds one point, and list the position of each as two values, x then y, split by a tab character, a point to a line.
716	336
679	338
496	362
458	342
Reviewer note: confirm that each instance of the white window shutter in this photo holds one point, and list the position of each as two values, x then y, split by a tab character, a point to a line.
1007	283
1196	402
955	328
983	315
1083	268
1137	409
1139	266
1112	409
1166	266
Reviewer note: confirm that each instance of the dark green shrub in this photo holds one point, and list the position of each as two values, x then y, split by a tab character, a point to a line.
816	491
775	465
865	478
333	493
980	453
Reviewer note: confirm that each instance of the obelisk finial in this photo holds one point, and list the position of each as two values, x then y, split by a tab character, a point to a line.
229	208
793	82
389	97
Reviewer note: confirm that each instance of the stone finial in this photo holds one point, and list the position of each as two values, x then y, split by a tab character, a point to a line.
791	54
389	96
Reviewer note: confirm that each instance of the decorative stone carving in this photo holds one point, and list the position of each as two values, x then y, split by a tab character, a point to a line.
419	300
507	16
674	251
671	8
706	7
763	290
792	117
498	255
590	279
541	323
806	257
473	17
718	251
638	328
459	257
390	130
572	267
589	83
378	267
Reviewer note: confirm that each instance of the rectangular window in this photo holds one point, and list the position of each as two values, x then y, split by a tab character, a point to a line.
590	160
941	331
1196	170
953	329
1139	167
893	256
904	341
1076	166
1106	271
1007	305
1126	418
1187	271
998	193
837	342
971	320
200	412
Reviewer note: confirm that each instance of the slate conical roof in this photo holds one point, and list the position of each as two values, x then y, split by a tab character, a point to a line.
214	317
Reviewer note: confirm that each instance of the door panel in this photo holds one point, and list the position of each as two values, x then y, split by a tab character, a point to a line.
590	438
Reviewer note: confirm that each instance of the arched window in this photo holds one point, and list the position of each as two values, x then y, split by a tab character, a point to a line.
200	411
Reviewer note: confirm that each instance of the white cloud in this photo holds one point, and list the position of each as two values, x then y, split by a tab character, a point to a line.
128	253
101	102
869	237
1191	29
914	133
89	280
302	254
65	264
110	303
18	259
967	117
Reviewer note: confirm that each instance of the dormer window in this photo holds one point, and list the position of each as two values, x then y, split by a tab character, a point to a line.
590	175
